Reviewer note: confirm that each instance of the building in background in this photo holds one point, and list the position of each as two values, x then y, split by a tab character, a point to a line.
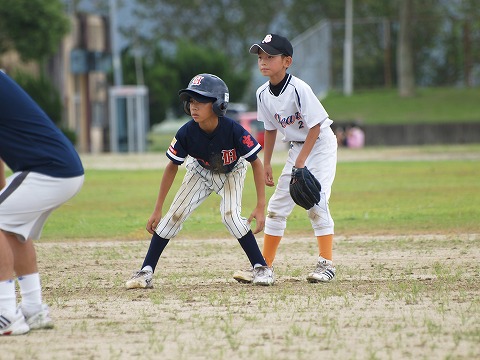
79	70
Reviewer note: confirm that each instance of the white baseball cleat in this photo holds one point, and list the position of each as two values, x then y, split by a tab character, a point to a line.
324	271
38	320
140	280
263	275
13	324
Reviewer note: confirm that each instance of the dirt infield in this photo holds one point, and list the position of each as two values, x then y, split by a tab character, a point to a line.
394	298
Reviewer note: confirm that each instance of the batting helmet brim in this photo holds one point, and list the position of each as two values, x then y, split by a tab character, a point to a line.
186	94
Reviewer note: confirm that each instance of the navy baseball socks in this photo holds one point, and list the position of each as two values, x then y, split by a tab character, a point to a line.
250	246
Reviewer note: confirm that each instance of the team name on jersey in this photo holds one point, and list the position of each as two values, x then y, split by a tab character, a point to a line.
289	120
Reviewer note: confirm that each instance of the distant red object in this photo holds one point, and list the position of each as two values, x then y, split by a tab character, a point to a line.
249	121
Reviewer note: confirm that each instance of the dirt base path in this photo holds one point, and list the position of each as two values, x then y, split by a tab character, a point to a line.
393	298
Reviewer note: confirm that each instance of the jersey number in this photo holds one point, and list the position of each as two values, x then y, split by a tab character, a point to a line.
300	124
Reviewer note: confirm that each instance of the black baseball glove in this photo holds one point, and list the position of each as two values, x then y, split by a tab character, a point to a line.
304	188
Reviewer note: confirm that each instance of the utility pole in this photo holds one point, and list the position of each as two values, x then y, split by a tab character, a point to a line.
348	49
117	63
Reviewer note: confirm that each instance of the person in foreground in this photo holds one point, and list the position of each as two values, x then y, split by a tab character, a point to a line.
216	150
46	172
287	104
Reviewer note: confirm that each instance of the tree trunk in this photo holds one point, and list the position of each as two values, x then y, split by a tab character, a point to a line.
405	73
467	51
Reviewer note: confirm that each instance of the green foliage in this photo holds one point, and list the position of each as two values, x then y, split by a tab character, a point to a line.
443	49
226	25
32	27
192	59
163	85
160	78
166	75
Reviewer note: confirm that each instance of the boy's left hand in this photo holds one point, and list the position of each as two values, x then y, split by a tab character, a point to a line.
259	215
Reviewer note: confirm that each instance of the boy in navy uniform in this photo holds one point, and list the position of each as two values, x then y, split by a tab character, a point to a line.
47	172
216	150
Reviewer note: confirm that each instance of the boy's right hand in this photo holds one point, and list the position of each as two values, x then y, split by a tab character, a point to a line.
153	222
269	175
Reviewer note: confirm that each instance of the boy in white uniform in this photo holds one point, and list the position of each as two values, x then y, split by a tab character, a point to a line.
287	104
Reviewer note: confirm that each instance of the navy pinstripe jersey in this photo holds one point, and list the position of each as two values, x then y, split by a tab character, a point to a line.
218	151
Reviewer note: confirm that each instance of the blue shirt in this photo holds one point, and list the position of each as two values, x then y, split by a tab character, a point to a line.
218	151
29	140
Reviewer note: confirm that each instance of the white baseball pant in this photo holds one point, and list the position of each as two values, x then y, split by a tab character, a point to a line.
29	198
322	163
197	185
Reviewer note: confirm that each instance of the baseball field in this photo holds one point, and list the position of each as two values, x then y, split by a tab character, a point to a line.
407	253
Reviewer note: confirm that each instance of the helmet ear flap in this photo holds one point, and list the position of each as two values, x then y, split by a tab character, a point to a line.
186	107
220	107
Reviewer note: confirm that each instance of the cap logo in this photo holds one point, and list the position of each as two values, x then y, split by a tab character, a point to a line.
197	80
267	39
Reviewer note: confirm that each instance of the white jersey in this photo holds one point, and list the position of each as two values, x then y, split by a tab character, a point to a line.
293	112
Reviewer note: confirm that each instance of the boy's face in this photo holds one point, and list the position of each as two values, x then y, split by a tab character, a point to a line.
201	111
273	65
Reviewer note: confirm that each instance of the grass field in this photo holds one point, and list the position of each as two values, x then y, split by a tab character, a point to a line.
384	106
380	196
407	253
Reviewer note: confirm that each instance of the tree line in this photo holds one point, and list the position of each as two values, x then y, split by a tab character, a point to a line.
399	43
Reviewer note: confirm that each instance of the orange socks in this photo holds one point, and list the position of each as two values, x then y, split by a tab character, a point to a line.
325	245
270	246
271	242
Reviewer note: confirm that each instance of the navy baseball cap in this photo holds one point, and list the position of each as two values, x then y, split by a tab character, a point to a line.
273	44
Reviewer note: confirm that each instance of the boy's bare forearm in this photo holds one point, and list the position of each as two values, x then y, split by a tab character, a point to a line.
307	146
270	137
2	175
167	181
257	168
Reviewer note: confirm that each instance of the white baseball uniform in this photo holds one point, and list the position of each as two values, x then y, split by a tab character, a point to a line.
293	113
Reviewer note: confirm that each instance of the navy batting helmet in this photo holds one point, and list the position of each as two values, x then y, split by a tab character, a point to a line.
206	88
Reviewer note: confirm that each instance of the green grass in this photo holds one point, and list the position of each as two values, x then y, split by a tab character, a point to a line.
368	198
384	106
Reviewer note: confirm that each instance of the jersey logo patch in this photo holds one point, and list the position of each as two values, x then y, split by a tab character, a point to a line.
247	140
229	156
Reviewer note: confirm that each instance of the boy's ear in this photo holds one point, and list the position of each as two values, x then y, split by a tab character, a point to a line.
288	60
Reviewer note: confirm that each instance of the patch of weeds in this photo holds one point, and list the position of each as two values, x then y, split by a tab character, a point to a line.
409	291
432	327
231	331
